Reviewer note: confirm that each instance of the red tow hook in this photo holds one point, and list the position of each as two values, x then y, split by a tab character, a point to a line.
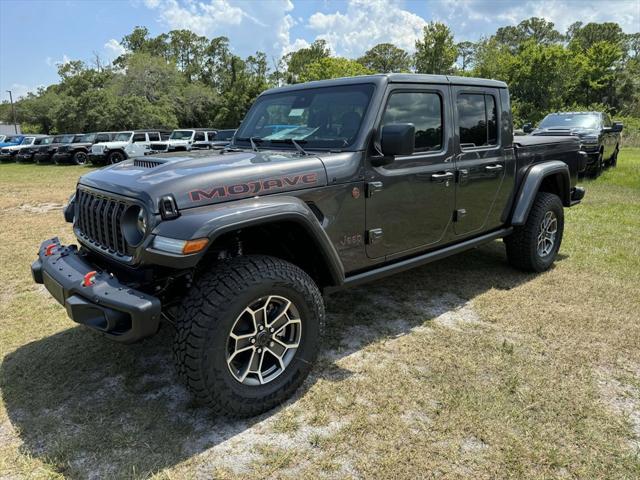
49	250
89	279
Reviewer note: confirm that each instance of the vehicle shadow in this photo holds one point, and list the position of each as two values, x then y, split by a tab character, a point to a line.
92	408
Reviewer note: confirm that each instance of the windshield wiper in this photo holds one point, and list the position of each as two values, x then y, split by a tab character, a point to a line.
252	140
295	143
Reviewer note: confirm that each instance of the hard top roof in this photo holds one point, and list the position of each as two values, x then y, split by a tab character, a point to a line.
383	78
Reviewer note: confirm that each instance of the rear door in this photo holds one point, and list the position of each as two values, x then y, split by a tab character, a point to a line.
410	201
480	159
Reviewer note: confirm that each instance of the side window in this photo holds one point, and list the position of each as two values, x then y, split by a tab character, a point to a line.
424	111
103	137
154	136
199	137
478	120
139	137
211	136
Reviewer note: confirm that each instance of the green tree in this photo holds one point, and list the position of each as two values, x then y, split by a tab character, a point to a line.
436	52
466	54
386	58
537	29
332	67
297	61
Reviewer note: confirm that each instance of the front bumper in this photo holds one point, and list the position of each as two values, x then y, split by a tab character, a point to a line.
42	157
24	157
62	157
7	157
107	306
96	157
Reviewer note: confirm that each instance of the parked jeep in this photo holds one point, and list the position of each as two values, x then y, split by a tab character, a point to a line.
599	137
8	153
373	175
123	145
11	140
77	152
183	139
27	154
44	153
222	139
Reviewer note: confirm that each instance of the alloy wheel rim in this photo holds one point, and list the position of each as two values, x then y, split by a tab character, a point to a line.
547	234
263	340
81	158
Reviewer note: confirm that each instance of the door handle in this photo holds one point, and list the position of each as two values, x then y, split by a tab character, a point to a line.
493	168
442	177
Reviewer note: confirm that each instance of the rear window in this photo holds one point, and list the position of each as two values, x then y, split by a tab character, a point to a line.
477	120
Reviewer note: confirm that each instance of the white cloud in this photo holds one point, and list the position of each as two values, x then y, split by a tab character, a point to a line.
115	47
56	63
250	26
19	90
366	23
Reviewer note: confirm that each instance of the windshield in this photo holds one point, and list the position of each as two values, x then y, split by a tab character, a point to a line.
28	140
122	137
88	138
225	134
580	120
181	135
328	117
45	141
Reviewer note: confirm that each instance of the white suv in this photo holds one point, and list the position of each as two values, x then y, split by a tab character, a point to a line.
129	144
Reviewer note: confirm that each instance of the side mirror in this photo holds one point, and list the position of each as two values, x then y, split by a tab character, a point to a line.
527	127
398	139
617	127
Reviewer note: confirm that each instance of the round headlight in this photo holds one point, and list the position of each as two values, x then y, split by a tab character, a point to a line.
134	225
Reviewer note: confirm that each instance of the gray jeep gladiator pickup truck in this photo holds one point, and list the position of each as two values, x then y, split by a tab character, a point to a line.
325	185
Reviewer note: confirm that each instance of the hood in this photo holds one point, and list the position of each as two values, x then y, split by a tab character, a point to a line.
209	179
103	145
8	144
561	131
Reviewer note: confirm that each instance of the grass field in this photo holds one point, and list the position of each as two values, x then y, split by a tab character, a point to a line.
461	369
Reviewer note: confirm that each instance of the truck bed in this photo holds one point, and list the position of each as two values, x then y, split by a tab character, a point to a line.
531	149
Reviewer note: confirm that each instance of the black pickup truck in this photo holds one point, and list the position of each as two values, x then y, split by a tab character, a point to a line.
599	137
326	185
77	152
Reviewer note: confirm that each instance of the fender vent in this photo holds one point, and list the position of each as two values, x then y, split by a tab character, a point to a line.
139	162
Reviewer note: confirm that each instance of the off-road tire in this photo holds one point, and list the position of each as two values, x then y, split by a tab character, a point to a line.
115	157
79	158
206	316
596	169
613	161
522	251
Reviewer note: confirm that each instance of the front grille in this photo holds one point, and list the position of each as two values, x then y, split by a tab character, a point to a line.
160	147
98	221
146	163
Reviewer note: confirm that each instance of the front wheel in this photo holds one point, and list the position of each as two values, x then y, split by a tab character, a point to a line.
613	161
115	157
533	247
248	333
79	158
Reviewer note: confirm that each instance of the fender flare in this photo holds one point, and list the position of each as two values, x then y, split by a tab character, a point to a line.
213	221
531	185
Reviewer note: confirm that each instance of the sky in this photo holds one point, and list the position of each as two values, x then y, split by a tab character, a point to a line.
37	35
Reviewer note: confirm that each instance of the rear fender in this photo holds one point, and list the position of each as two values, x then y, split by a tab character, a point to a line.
556	172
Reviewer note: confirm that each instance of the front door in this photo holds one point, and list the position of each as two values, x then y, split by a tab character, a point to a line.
480	161
410	201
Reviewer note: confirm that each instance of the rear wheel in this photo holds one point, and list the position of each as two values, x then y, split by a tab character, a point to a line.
533	247
248	333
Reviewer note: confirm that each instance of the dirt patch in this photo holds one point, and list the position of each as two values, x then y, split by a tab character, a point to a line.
621	393
38	207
